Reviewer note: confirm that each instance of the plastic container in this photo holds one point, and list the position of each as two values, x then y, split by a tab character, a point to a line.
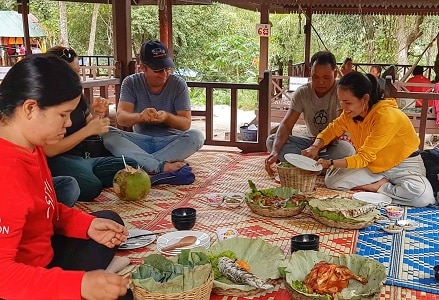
248	132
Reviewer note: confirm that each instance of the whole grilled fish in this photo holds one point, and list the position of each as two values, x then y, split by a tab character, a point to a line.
239	275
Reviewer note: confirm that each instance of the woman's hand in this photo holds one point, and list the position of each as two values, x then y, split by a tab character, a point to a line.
325	163
98	126
100	106
107	232
101	285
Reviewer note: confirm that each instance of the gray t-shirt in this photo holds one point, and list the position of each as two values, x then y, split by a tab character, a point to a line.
317	112
174	97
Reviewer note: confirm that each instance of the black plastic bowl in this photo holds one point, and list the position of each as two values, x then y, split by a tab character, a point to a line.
183	218
305	242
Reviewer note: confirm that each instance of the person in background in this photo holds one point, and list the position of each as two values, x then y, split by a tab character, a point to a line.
377	128
71	156
155	104
418	77
375	70
319	104
347	66
47	250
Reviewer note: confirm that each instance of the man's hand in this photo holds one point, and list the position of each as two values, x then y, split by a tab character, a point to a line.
151	115
311	152
269	161
100	285
107	232
100	106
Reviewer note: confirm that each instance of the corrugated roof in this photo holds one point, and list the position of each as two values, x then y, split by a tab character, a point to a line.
11	25
408	7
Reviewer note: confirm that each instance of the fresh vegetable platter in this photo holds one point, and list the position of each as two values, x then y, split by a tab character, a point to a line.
279	202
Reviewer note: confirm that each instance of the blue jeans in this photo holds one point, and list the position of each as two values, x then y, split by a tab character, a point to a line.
295	144
152	152
66	189
92	174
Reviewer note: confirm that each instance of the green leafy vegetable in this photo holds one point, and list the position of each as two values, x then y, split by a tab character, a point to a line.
161	275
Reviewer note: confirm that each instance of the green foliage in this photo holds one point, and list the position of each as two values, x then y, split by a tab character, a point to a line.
219	41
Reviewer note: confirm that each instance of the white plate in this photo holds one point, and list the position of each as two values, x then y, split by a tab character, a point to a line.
302	162
382	220
203	239
178	250
392	230
135	243
373	198
408	224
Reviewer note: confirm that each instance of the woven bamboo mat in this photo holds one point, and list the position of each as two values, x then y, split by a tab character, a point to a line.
228	172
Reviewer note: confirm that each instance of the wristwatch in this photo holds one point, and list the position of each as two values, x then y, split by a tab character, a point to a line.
331	162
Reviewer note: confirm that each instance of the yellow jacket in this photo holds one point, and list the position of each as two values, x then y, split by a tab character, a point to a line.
383	139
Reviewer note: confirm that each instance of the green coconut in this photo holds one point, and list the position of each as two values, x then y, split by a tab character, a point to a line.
131	184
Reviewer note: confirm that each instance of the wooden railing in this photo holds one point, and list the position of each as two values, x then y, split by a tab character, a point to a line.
421	120
263	90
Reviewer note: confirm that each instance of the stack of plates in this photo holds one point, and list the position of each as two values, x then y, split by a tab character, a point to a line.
135	242
379	200
203	240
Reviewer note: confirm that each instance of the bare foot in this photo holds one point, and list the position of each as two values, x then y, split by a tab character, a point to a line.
173	166
373	187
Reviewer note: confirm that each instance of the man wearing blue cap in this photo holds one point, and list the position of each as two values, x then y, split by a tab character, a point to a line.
156	104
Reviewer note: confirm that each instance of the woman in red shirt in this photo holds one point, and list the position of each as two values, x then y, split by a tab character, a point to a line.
47	250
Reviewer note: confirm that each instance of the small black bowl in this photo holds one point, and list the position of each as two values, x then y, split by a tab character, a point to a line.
305	242
183	218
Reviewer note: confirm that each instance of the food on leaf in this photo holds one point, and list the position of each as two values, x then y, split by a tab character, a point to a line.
280	197
262	257
239	275
343	210
326	278
299	266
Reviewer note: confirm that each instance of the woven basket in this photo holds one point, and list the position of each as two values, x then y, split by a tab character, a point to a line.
298	296
199	293
275	212
241	293
342	225
297	178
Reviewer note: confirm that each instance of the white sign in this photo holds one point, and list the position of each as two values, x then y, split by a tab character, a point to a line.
263	30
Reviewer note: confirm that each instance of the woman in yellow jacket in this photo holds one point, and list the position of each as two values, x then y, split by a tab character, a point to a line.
387	158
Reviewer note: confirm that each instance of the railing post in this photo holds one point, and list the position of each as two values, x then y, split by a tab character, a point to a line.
264	110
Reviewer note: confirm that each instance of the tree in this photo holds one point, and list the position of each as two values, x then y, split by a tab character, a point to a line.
406	38
64	34
91	41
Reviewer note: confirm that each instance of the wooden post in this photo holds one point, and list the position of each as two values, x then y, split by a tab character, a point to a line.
165	23
122	31
263	41
23	8
308	41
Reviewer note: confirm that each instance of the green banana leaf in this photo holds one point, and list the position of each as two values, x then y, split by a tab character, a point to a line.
328	208
262	257
301	262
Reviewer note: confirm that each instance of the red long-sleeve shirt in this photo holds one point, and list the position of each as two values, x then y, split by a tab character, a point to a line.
29	216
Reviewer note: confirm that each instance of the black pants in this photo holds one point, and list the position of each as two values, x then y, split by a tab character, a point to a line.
80	254
85	255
